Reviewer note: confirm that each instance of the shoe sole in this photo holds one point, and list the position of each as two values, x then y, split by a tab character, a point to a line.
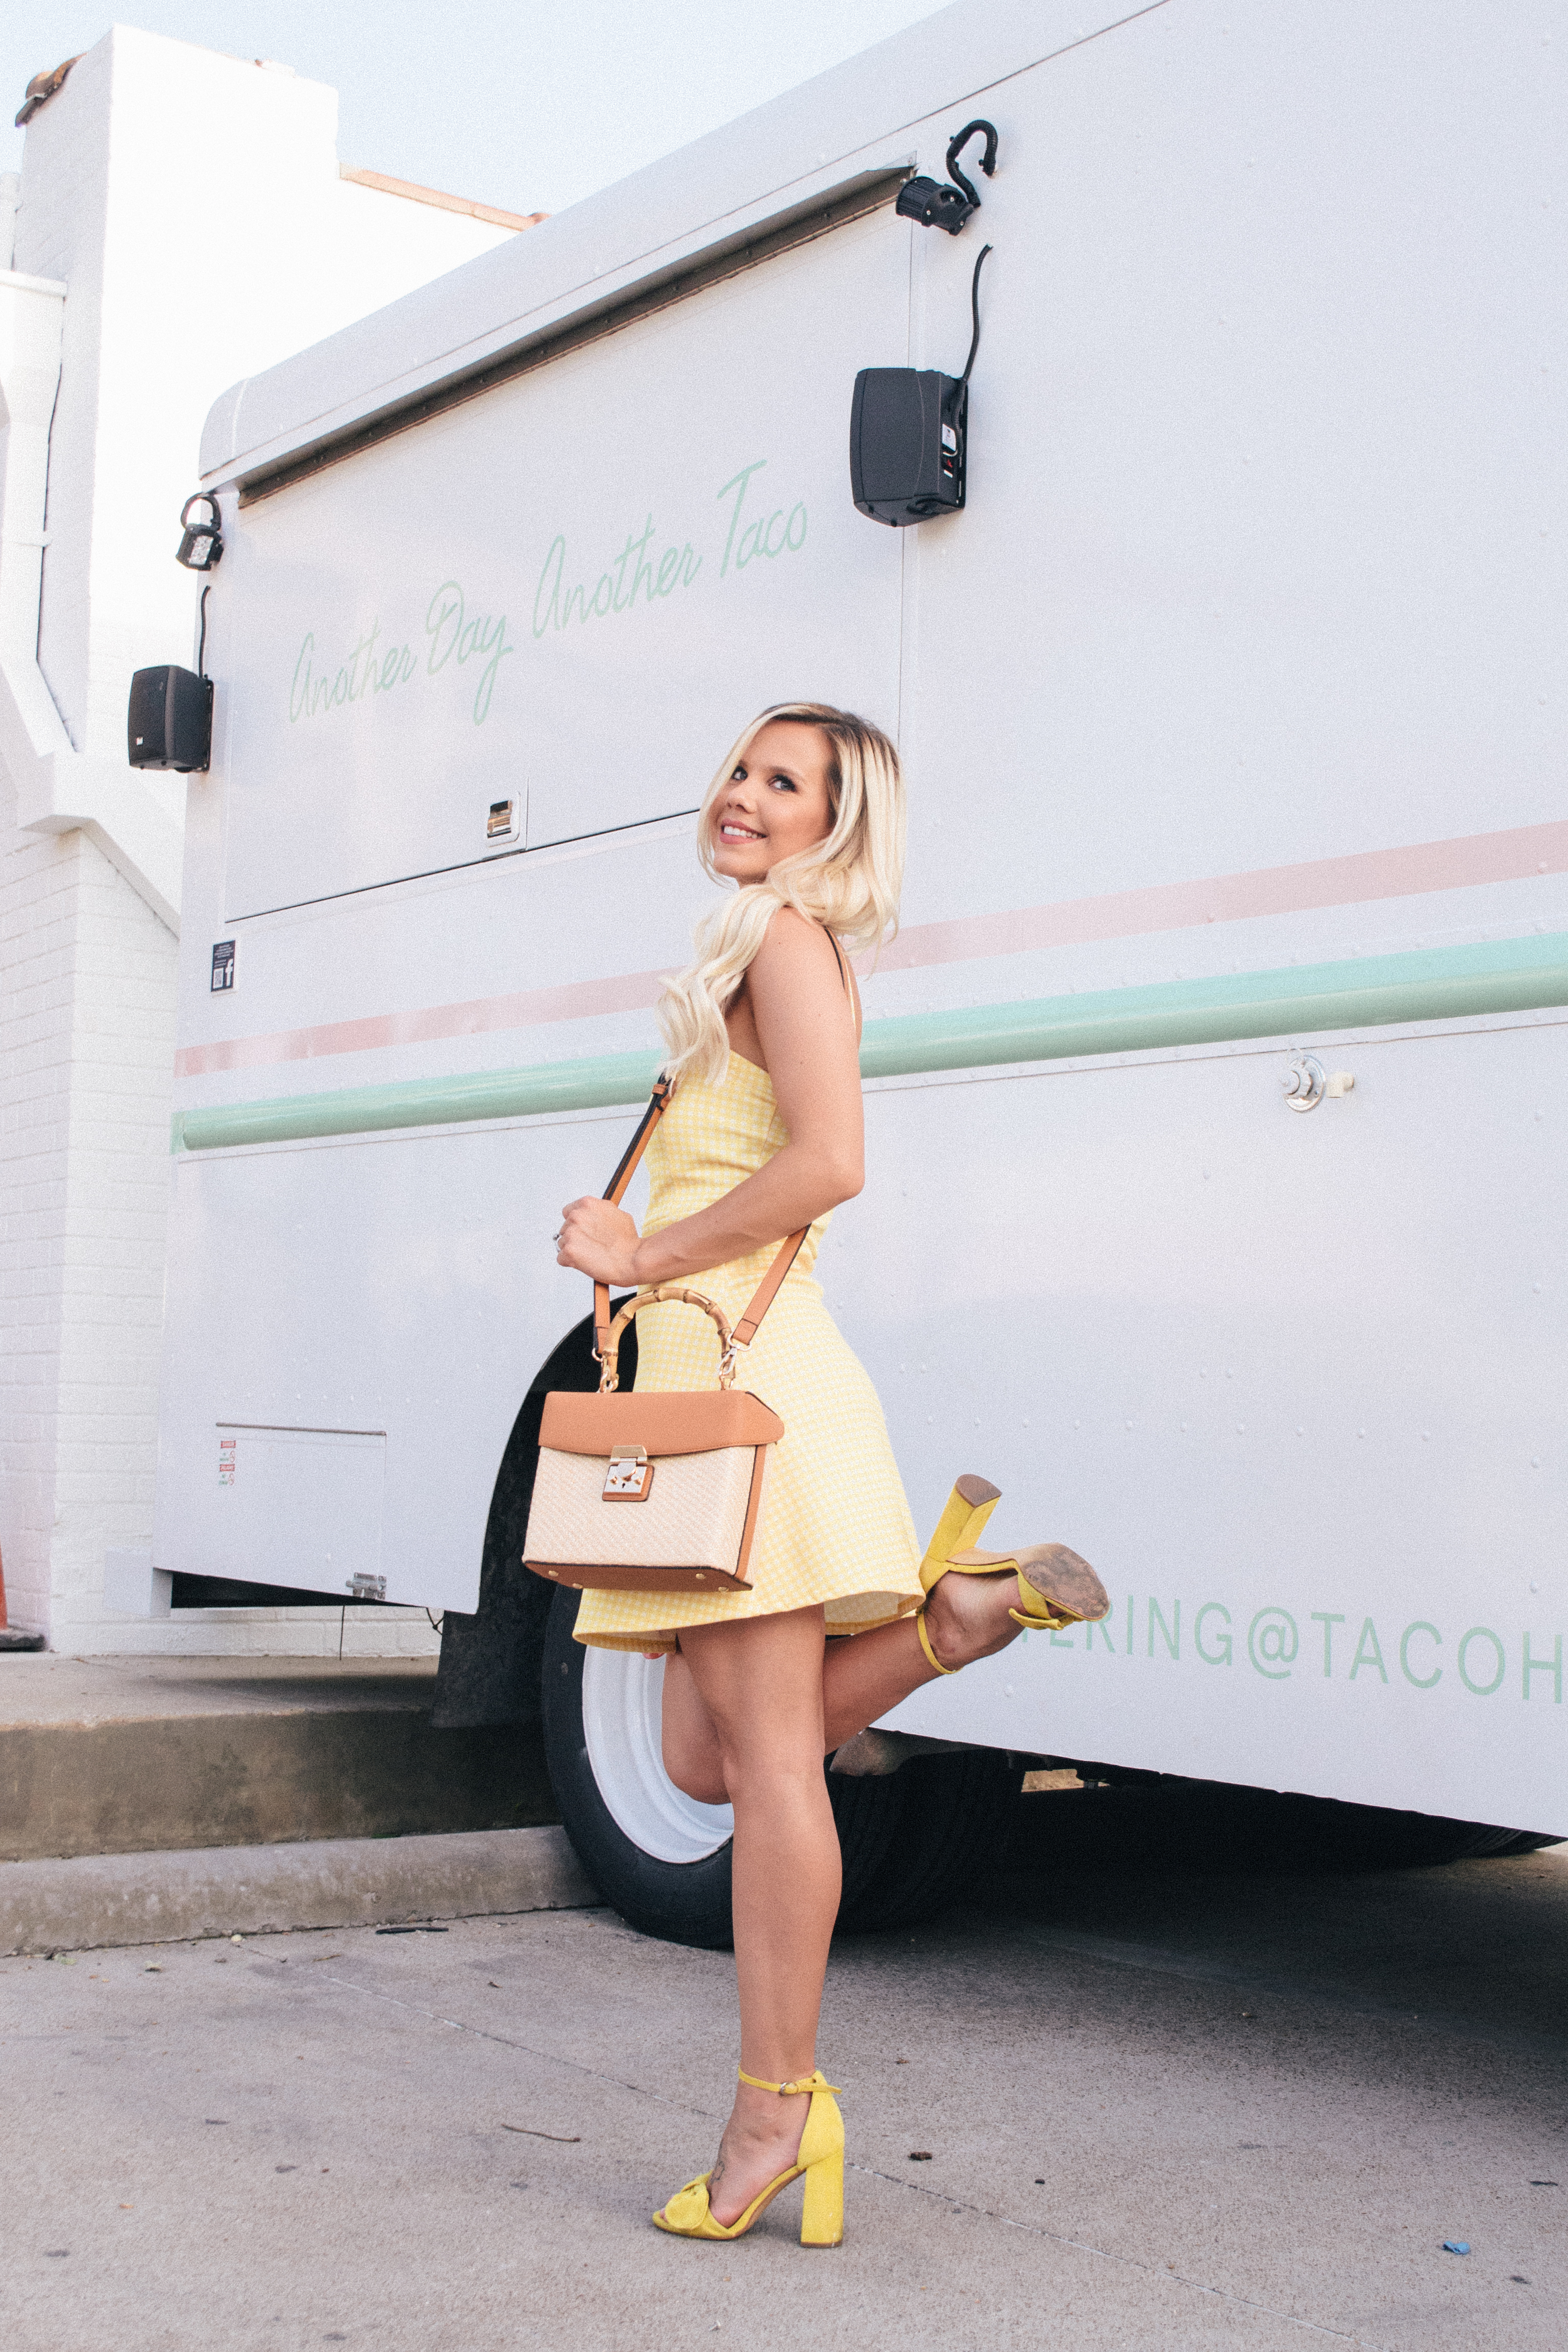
1066	1580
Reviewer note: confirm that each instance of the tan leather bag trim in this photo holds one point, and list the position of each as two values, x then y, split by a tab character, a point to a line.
753	1505
662	1423
659	1103
768	1290
638	1579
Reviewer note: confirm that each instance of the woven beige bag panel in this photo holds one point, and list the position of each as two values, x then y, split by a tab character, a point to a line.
694	1516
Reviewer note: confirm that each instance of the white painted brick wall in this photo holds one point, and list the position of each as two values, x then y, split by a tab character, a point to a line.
189	262
35	1111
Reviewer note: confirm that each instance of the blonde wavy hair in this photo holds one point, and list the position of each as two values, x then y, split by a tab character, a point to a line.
849	882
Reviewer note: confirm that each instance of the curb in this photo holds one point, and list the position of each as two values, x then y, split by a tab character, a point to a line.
287	1766
93	1900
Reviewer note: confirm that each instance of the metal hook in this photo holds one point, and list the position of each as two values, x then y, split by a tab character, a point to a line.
955	147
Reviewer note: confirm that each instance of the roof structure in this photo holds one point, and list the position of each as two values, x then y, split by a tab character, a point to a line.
410	189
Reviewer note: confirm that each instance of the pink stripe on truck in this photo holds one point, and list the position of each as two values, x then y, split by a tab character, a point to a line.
1430	866
577	1000
1515	855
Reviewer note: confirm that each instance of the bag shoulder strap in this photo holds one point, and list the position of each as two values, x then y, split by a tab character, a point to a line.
772	1282
627	1168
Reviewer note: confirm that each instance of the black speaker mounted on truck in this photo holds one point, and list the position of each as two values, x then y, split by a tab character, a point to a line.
909	436
169	719
169	723
908	427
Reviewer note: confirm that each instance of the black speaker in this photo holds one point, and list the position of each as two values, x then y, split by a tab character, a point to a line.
907	433
170	721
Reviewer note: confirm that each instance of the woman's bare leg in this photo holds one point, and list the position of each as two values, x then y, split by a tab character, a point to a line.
759	1681
967	1619
689	1742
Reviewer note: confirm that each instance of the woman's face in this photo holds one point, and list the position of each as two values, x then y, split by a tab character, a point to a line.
775	803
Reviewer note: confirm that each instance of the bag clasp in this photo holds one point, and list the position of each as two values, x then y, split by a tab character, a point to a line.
628	1475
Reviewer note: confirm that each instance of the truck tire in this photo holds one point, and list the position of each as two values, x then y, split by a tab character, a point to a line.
944	1819
911	1842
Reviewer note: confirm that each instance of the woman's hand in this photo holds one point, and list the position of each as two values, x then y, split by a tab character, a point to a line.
598	1240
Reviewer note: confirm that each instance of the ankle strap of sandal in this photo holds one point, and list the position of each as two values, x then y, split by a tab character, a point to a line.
932	1658
816	2082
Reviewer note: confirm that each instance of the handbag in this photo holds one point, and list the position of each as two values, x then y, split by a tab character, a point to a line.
654	1492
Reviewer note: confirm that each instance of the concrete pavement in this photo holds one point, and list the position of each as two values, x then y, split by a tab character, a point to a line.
1162	2112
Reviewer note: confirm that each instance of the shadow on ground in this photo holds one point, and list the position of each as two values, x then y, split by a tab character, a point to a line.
1337	1901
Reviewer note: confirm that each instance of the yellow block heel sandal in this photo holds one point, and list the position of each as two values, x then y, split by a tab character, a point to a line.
1056	1587
820	2157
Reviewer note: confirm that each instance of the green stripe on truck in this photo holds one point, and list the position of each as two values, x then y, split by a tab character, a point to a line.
1427	984
1364	993
422	1102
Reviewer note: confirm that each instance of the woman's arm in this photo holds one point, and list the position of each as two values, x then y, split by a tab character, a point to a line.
806	1028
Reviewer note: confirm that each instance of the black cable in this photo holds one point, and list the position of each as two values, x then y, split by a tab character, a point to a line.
974	307
207	592
955	147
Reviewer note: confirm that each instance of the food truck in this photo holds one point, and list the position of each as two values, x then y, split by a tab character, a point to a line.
1215	1095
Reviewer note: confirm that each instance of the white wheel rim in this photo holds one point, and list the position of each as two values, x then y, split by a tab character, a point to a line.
623	1700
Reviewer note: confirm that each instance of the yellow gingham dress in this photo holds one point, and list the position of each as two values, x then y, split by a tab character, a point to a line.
835	1528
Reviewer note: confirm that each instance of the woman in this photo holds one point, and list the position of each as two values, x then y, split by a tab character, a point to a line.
766	1135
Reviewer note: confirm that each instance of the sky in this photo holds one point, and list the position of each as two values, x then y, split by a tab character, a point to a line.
527	104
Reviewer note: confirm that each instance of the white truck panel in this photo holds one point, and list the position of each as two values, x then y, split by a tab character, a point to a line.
1279	1369
564	600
